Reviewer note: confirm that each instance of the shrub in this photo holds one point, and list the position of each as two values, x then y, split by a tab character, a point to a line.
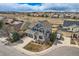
15	37
53	37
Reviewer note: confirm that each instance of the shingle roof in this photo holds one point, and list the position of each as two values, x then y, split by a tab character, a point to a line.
70	23
40	24
45	23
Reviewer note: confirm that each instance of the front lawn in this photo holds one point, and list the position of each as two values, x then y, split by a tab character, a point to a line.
35	47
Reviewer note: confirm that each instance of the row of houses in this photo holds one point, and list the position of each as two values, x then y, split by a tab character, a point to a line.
72	26
56	15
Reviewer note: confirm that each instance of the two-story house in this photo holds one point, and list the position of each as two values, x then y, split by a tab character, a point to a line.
40	31
72	26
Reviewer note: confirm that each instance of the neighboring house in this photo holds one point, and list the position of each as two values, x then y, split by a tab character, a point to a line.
17	24
55	16
3	33
13	24
1	18
8	21
9	26
25	25
40	31
72	26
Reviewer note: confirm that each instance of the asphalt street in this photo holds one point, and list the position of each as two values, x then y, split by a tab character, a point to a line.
9	51
64	51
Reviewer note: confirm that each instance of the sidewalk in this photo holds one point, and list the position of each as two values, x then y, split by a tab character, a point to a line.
37	53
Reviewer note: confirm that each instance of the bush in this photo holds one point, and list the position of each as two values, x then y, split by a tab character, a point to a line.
53	37
15	37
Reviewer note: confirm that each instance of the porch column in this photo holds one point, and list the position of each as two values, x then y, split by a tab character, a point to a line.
37	37
43	38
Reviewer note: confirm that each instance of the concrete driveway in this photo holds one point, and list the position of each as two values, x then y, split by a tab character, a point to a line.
19	46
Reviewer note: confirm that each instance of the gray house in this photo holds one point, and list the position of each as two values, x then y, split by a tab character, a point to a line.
40	31
72	26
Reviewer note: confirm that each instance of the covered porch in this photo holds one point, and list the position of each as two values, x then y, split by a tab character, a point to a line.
35	35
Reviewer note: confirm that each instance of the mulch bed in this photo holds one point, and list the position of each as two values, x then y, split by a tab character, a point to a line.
35	47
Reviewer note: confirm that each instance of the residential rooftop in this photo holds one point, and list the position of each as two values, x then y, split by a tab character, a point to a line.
70	23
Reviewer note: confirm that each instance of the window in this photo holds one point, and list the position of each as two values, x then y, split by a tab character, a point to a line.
40	37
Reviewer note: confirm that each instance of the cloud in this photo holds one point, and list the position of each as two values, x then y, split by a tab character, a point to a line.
25	7
15	7
60	7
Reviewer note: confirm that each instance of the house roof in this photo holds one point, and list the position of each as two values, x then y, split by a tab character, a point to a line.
38	27
70	23
8	20
44	24
33	32
29	31
1	18
17	24
40	24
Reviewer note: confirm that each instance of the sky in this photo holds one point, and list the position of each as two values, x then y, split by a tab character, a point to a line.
39	7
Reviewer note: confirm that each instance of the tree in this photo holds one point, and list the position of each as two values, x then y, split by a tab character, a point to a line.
1	24
28	14
44	15
15	37
53	37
